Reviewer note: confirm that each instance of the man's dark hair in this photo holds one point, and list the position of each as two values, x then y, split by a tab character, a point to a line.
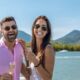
6	19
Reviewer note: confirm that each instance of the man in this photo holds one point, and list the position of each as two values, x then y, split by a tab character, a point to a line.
11	52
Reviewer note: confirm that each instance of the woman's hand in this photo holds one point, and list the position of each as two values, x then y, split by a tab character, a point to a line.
32	58
23	44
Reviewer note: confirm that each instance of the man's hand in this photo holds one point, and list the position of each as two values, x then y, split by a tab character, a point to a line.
7	76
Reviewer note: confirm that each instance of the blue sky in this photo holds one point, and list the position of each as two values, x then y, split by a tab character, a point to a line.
64	15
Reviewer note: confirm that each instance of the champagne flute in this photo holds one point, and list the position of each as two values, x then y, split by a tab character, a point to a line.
11	68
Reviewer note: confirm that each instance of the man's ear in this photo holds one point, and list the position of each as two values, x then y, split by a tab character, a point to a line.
1	31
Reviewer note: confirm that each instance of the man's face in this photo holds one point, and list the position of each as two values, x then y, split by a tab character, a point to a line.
9	30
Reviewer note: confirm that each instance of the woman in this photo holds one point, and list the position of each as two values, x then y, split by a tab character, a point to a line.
42	54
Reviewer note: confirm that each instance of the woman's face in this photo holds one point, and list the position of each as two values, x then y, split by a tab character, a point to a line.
40	29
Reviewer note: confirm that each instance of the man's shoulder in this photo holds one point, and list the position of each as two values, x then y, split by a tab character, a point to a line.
19	47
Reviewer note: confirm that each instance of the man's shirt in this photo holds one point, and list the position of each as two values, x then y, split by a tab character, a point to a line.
7	57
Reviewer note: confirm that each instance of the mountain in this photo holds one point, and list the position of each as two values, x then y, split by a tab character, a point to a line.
72	37
23	35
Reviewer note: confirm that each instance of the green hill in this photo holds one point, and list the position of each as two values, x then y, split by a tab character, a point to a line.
71	38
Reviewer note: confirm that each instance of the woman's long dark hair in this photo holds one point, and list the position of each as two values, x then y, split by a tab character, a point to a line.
46	39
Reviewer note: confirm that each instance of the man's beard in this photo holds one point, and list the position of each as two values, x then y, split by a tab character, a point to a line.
10	38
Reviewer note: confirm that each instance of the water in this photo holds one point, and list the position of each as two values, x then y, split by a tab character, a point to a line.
67	66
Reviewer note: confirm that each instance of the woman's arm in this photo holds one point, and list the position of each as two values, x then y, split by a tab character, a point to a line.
46	73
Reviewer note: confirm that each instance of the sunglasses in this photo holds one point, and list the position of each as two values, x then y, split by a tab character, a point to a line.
43	27
7	28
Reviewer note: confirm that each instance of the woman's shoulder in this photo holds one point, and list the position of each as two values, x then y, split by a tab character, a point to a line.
49	49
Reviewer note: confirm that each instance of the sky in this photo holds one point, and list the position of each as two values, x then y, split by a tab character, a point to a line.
64	15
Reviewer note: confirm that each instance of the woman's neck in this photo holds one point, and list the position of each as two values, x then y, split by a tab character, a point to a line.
38	42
